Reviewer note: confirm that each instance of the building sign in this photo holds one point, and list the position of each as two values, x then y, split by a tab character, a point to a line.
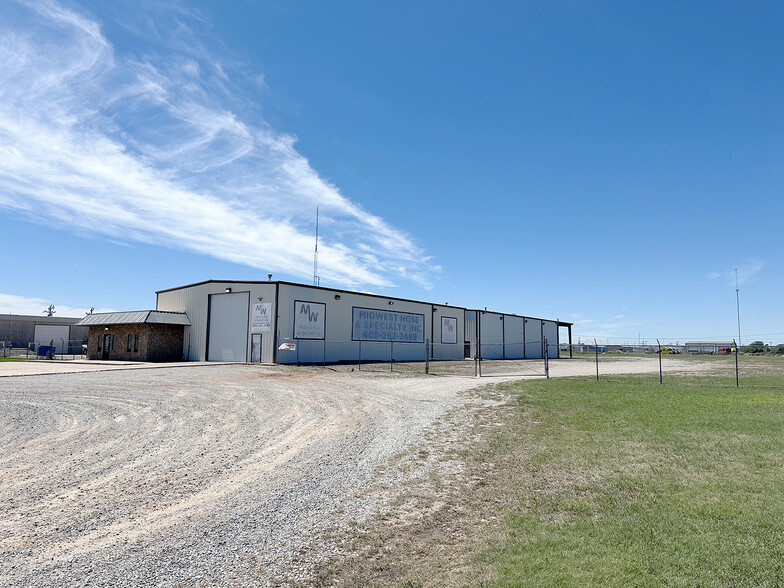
448	329
309	319
261	318
382	325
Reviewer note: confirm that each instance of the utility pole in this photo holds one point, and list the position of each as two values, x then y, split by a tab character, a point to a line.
737	303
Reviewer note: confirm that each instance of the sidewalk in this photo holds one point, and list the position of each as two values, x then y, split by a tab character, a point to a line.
37	367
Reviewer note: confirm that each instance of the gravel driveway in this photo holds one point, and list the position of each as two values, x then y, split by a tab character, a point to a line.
219	474
199	474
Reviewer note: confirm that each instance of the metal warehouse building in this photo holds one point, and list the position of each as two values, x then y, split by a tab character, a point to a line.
284	322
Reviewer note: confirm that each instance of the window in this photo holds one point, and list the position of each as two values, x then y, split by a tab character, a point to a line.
136	343
129	342
114	338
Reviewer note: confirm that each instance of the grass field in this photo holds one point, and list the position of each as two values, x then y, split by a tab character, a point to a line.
582	483
636	484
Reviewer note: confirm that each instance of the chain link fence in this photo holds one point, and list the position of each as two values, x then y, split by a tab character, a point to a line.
420	358
60	349
722	366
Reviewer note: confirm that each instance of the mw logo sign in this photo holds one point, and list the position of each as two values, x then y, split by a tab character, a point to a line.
261	318
309	319
448	329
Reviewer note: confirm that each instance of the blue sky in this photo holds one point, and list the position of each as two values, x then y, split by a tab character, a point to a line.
605	163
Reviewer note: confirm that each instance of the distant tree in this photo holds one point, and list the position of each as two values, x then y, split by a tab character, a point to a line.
754	347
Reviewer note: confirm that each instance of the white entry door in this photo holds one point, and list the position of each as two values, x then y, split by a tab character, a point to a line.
255	349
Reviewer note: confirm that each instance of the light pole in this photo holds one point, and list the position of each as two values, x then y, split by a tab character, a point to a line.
737	303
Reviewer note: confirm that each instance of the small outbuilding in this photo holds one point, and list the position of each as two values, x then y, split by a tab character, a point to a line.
142	335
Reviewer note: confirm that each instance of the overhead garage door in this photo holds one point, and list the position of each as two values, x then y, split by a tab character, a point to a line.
59	334
228	329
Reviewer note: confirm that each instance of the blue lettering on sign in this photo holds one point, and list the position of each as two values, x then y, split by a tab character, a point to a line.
383	325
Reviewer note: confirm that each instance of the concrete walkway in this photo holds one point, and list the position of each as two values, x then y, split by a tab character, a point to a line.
37	367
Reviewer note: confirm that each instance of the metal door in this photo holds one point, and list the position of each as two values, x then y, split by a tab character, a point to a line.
227	337
255	349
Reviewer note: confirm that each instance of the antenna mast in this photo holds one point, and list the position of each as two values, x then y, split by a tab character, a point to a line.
315	254
737	303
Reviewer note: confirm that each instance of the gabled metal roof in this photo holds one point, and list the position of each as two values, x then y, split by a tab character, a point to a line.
135	317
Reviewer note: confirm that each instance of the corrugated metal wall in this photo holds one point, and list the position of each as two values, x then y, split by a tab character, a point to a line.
533	338
470	332
340	342
550	331
513	337
491	334
192	300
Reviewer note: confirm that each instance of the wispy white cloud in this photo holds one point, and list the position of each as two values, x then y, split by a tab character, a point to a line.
746	271
160	147
13	304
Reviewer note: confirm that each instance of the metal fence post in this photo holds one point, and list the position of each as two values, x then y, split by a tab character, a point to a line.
660	362
324	353
427	356
546	360
737	377
596	351
359	363
391	355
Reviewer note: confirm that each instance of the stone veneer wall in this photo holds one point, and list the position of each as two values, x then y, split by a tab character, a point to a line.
156	342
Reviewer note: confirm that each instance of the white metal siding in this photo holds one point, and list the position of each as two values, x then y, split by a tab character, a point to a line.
448	350
338	344
192	300
228	329
491	335
550	329
533	338
470	331
513	337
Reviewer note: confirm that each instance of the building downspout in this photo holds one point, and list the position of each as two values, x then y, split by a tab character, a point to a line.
275	327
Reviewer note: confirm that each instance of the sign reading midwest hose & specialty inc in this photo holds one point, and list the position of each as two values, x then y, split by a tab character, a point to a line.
370	324
309	319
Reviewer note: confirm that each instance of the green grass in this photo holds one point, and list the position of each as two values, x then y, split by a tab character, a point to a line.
629	483
15	358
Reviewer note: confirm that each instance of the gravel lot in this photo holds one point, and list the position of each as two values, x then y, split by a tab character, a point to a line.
219	474
199	474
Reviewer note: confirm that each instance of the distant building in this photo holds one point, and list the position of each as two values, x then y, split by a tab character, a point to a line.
707	347
22	329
